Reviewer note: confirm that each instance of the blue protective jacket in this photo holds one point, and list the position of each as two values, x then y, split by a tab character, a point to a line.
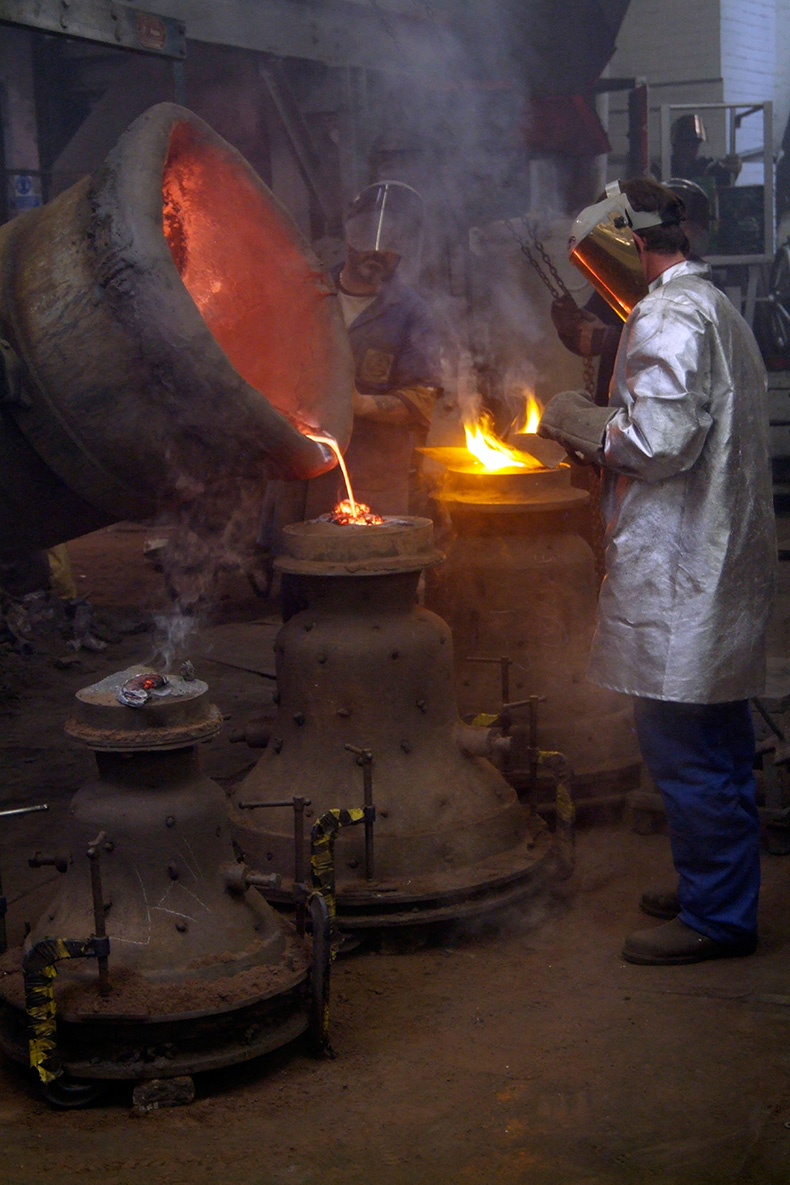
396	348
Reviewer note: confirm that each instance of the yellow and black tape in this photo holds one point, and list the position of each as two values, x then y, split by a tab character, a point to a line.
39	971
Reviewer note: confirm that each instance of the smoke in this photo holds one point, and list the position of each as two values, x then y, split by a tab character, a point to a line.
205	539
461	139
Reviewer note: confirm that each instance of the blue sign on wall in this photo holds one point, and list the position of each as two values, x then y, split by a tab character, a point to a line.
26	195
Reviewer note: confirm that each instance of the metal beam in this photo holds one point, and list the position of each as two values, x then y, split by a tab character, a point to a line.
99	20
342	33
301	142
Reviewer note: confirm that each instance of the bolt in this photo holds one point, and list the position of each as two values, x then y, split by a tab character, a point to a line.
395	654
384	814
182	927
170	821
299	717
406	746
421	704
344	712
322	658
172	871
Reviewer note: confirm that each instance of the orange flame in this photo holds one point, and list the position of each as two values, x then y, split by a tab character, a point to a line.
531	414
489	450
348	513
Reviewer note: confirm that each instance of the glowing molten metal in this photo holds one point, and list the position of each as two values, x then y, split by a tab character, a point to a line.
348	513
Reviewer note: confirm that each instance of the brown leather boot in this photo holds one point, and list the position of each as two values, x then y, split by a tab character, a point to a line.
660	903
675	943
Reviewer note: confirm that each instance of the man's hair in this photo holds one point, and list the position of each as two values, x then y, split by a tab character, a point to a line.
644	193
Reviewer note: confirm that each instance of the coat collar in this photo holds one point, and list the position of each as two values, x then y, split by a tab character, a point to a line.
688	267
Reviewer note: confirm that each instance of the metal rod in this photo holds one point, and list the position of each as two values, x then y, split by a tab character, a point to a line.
18	810
94	855
251	806
533	743
299	804
365	759
504	664
3	911
24	810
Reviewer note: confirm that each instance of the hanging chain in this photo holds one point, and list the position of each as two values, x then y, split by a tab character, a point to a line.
588	370
555	284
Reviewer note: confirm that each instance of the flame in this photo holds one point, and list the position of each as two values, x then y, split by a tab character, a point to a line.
489	450
348	513
531	414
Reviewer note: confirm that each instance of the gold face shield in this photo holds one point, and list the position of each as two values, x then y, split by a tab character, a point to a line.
602	247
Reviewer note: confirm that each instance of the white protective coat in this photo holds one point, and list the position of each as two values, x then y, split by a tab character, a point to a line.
687	499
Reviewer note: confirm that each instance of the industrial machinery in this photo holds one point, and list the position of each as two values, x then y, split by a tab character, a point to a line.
367	715
165	333
157	958
519	591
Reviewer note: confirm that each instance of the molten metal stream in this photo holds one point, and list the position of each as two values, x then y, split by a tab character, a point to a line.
332	443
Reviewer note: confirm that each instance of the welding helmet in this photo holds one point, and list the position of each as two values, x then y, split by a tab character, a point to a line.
696	221
601	246
386	216
688	131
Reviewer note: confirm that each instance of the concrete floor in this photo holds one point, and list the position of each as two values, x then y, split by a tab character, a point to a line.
520	1050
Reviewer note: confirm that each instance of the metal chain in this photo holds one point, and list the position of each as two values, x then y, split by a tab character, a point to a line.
589	374
561	288
557	292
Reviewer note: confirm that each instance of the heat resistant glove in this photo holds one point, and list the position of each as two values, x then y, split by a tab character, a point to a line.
578	424
579	330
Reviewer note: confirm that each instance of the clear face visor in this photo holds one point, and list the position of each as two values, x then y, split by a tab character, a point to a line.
602	247
386	217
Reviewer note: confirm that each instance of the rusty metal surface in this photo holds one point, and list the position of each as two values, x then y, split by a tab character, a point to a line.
199	971
321	548
180	715
362	667
231	309
135	999
502	879
519	582
465	482
144	1049
118	25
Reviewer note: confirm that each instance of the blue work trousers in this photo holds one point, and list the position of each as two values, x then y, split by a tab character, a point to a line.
701	757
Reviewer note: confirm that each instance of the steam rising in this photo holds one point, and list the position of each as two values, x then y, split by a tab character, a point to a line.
206	539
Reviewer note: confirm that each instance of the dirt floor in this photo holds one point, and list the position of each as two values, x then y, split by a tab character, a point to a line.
519	1050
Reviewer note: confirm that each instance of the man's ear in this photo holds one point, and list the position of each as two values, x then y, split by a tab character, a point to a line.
641	245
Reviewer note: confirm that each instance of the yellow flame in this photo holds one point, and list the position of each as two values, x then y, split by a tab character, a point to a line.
488	449
531	414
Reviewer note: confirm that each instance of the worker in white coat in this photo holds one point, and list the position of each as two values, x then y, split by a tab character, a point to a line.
690	555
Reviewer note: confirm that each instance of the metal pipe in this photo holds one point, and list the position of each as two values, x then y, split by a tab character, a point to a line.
99	928
17	810
365	759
